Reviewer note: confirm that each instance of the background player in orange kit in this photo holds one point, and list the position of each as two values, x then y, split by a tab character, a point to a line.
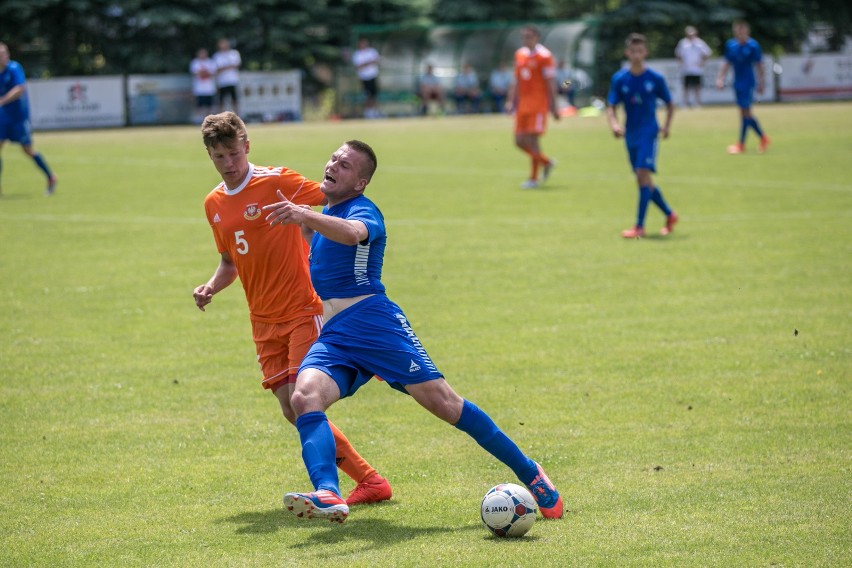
272	263
532	96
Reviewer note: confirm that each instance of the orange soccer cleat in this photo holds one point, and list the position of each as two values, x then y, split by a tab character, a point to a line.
372	490
671	220
548	498
634	233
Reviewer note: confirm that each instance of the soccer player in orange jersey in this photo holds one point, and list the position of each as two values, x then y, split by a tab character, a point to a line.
272	264
532	96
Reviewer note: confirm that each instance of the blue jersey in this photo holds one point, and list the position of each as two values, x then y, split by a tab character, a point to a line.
19	110
639	94
743	57
345	271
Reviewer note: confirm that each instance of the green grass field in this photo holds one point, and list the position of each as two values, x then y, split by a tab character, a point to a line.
689	395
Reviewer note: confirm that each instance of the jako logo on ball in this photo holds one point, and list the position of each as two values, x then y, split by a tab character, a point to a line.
508	510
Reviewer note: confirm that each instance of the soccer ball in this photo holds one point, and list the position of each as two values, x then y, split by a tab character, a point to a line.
508	510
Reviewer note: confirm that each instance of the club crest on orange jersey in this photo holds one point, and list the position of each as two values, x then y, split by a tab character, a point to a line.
252	212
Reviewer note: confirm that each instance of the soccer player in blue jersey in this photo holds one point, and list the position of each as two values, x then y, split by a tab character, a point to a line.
367	334
15	114
638	87
743	53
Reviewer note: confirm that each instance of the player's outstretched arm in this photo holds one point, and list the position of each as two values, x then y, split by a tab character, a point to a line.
343	231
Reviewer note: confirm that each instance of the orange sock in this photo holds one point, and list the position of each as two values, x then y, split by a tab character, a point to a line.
533	164
349	461
541	158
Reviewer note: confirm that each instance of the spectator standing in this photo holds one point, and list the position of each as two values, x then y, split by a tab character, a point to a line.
203	72
692	52
228	62
366	61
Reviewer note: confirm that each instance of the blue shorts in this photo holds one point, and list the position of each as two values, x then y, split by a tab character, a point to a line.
643	153
745	96
373	337
19	132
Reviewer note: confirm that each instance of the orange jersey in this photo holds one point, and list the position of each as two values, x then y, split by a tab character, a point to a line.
272	262
534	72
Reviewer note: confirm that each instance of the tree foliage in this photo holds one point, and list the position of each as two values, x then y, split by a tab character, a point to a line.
89	37
453	11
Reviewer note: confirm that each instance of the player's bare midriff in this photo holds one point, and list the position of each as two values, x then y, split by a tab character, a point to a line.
334	306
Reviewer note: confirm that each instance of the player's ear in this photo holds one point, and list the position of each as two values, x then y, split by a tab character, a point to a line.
362	184
248	146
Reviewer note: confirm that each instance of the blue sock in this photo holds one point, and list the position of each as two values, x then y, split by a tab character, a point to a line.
753	123
743	130
42	165
481	428
318	450
644	198
657	198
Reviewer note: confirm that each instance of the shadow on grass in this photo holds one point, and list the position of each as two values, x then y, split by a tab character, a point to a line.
366	533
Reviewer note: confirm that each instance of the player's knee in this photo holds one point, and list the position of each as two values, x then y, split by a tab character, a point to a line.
287	410
301	402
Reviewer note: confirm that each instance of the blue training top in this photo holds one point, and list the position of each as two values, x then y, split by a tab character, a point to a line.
639	94
18	110
345	271
743	58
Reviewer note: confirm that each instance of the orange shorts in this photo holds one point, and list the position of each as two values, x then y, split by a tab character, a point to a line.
282	346
530	123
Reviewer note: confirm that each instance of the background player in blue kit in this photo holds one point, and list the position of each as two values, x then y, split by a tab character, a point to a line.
15	114
743	53
365	333
637	87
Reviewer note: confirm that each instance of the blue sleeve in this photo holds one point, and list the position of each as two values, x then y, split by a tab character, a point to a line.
371	217
18	77
729	55
758	53
614	96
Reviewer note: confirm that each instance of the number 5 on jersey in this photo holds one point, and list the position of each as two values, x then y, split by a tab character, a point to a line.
242	244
